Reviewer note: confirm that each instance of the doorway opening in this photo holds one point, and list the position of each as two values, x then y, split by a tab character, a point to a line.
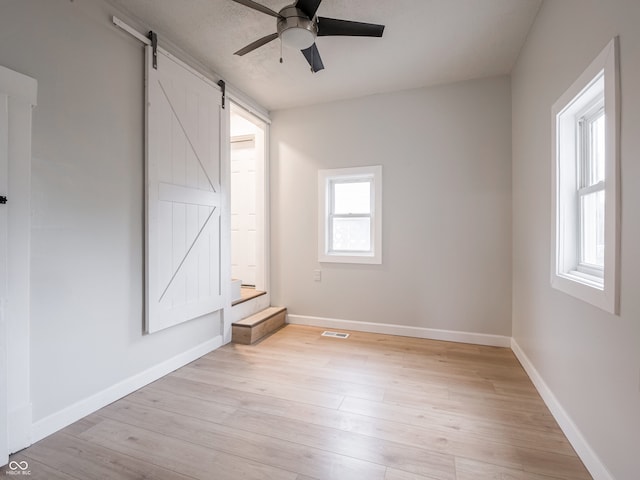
248	158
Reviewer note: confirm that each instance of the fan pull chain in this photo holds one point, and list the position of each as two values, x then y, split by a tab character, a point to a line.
281	50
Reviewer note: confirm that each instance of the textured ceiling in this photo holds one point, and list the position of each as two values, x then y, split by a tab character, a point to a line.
426	42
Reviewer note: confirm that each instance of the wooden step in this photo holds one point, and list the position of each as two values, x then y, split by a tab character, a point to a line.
251	329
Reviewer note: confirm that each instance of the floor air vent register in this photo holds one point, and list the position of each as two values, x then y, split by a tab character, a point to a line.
335	334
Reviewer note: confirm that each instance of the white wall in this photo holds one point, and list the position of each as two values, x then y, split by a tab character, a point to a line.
87	202
446	155
589	359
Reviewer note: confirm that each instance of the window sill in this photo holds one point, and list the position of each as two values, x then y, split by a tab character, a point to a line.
585	279
367	259
588	288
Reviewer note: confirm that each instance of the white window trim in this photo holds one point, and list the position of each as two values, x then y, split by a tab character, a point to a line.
602	293
343	174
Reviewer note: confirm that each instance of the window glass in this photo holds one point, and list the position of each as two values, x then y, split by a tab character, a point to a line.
352	197
597	132
351	234
591	193
592	226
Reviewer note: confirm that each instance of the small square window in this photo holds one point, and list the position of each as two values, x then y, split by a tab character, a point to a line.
349	215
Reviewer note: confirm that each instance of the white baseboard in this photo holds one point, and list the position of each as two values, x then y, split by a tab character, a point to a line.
82	408
405	331
591	461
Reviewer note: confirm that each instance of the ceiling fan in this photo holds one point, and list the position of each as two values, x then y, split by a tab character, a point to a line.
298	26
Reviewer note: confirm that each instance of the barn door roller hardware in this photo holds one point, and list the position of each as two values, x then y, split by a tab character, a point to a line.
154	46
223	87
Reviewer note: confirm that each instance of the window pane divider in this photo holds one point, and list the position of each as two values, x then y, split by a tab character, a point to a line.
350	215
597	187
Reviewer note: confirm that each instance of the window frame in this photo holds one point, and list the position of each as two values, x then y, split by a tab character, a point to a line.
327	179
568	273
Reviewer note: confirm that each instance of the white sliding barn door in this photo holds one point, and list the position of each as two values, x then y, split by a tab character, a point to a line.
184	196
17	98
4	278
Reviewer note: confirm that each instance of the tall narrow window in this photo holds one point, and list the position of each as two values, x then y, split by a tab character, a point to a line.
349	215
585	193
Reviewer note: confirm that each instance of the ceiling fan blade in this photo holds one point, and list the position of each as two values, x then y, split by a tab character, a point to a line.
309	7
334	26
313	57
258	7
257	44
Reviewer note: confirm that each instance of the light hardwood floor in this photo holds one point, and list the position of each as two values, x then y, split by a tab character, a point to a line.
299	406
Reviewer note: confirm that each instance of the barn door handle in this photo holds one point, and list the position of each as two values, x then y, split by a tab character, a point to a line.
3	200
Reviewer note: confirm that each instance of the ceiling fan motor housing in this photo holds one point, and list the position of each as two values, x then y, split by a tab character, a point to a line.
296	29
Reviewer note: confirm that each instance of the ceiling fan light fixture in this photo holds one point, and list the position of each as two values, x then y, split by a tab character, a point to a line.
298	26
298	38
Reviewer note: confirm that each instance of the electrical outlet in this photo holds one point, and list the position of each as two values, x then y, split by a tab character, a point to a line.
317	275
